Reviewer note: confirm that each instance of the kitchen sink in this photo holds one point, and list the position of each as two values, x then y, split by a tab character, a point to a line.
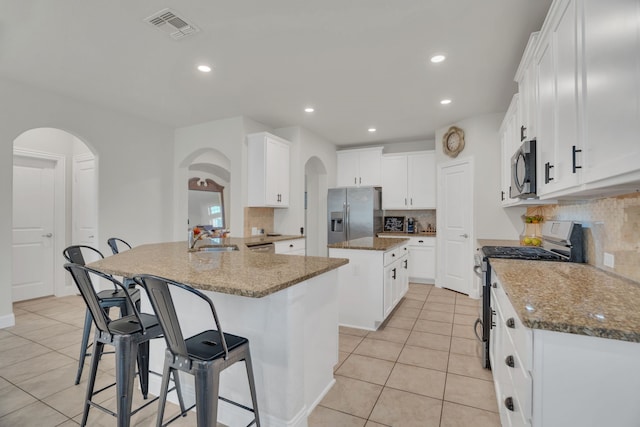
215	248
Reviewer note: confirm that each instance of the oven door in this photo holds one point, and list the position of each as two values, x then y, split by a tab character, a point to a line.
523	171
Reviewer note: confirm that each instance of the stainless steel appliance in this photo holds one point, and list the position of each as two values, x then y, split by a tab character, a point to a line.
353	213
562	241
523	171
266	248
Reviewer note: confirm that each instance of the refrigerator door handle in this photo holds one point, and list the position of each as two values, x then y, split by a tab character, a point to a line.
348	220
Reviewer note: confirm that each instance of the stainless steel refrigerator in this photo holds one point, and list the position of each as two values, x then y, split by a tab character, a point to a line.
354	213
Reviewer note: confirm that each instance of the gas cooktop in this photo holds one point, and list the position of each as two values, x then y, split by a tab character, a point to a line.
520	252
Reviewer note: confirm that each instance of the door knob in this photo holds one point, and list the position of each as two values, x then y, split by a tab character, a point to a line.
465	235
48	235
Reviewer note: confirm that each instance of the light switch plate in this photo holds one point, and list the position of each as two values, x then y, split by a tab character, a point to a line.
608	260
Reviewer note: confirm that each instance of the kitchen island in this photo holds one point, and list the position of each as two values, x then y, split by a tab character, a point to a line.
287	306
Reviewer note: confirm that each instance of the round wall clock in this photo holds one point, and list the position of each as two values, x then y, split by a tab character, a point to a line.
453	141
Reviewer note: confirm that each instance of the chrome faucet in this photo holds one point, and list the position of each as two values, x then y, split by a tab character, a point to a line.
200	236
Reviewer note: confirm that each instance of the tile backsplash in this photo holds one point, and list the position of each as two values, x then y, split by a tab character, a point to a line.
261	218
424	218
611	225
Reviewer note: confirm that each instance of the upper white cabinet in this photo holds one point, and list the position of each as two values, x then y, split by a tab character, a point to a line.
527	91
359	167
509	141
409	181
268	174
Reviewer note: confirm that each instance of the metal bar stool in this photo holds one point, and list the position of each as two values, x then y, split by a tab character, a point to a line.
113	243
109	298
129	335
203	355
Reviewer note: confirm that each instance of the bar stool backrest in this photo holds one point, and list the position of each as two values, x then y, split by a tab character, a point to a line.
75	253
113	244
158	291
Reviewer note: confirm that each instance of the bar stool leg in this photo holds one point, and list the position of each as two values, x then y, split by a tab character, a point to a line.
84	344
206	383
164	387
126	355
252	385
95	358
143	368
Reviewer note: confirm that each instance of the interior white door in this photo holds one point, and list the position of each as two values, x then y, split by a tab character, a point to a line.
455	226
33	225
85	202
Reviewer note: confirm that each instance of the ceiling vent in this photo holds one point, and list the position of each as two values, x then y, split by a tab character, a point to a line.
169	22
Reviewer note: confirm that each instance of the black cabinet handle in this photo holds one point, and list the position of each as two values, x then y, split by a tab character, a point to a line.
573	154
523	133
508	402
406	263
290	246
493	324
393	255
502	196
420	241
394	273
547	171
511	323
495	284
510	361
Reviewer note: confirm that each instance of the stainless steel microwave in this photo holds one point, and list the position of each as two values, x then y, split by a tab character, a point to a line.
523	171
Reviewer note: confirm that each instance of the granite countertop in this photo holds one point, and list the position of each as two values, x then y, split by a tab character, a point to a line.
405	234
261	239
369	244
573	298
494	242
241	272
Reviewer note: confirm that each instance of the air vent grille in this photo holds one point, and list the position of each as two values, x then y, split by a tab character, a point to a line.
168	21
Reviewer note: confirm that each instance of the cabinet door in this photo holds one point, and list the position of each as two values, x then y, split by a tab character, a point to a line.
390	274
394	182
276	173
347	166
284	174
421	181
612	99
422	262
370	167
546	117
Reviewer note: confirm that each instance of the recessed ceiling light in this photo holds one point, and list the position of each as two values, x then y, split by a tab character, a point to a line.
309	110
372	130
204	68
438	58
445	101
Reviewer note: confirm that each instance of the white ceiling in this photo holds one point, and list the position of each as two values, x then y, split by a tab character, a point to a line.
360	63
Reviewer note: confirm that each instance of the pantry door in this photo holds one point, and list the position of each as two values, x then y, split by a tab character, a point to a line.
33	227
455	225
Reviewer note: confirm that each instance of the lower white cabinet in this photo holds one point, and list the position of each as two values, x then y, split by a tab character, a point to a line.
422	258
554	379
290	247
371	285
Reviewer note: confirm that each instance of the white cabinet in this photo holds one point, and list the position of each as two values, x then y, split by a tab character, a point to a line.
359	167
409	181
527	91
509	141
371	285
421	262
268	170
290	247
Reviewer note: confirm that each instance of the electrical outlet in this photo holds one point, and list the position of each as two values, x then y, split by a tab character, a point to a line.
608	260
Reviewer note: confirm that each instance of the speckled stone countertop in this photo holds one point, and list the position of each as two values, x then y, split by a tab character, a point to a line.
241	272
404	234
369	244
573	298
490	242
258	240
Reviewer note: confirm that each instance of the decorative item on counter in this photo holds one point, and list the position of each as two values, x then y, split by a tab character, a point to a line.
532	231
410	225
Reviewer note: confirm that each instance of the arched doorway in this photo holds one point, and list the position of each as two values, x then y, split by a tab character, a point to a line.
316	186
54	203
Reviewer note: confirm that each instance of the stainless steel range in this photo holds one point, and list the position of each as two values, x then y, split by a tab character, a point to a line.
563	241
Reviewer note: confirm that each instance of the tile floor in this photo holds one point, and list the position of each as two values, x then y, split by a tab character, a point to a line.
421	368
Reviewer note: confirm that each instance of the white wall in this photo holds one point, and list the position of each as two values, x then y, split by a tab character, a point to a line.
482	142
397	147
134	167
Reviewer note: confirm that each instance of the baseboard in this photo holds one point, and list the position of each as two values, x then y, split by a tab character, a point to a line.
315	403
7	321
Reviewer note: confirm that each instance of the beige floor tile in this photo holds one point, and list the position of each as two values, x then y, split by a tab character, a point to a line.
353	331
326	417
436	306
416	296
440	328
408	312
38	411
386	350
21	353
436	316
63	340
352	396
11	341
427	382
52	329
471	392
442	299
36	366
466	309
348	343
5	334
69	423
420	288
454	415
465	331
366	369
400	322
443	292
70	401
424	357
374	424
50	382
401	409
390	334
4	383
464	319
12	399
469	366
465	300
29	323
342	356
428	340
411	303
466	347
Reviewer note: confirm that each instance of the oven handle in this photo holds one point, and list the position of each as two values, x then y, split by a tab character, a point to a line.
475	328
478	270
